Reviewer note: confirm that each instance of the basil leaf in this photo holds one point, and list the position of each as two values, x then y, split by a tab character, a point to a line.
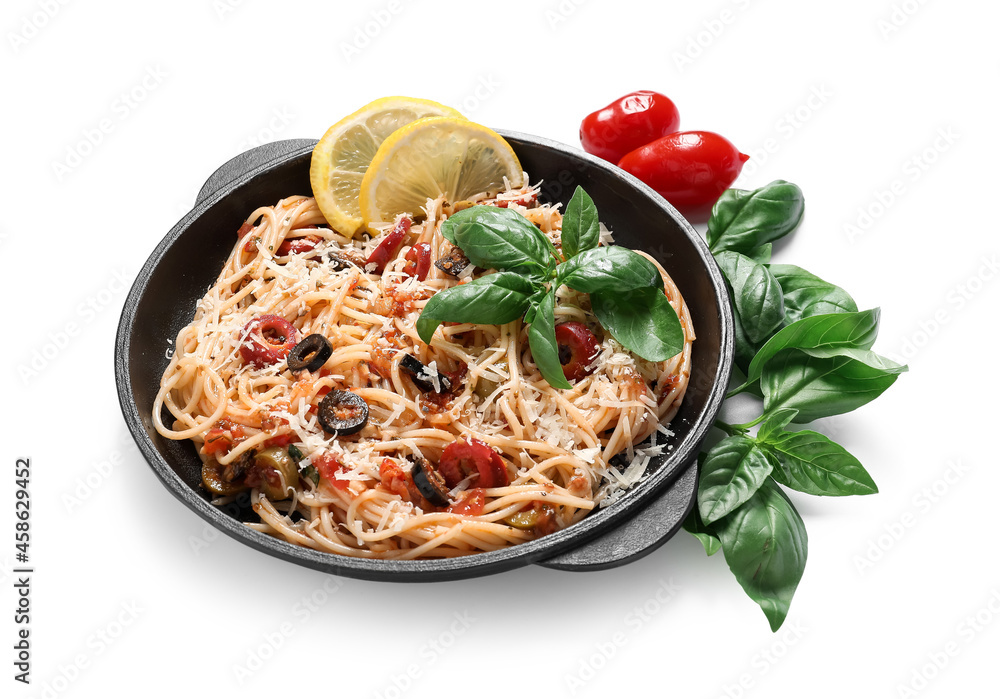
310	473
765	544
533	302
824	382
611	268
700	531
491	300
756	295
503	239
731	473
831	330
761	254
775	422
745	349
542	341
581	230
743	219
642	320
807	295
812	463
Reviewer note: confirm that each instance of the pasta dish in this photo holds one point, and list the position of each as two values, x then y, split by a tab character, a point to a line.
303	384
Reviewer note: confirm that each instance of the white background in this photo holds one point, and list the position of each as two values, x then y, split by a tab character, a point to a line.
132	589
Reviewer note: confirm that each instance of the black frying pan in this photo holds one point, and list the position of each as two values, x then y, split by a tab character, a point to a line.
187	262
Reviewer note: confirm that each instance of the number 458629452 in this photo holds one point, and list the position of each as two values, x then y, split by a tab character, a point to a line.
22	505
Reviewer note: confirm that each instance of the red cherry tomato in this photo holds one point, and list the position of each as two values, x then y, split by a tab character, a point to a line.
329	467
281	440
296	246
389	246
461	458
578	348
394	479
627	123
267	340
470	503
690	169
418	261
250	245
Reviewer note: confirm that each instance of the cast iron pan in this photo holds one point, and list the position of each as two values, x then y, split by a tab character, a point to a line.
187	262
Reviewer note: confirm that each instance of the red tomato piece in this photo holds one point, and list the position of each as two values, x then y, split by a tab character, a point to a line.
281	440
578	348
471	503
627	123
267	340
389	246
418	261
217	440
463	457
329	466
394	479
251	244
297	246
223	437
526	200
690	169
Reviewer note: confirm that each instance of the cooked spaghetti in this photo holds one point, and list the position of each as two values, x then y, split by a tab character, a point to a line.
354	494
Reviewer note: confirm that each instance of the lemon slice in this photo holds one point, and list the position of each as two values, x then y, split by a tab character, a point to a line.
431	157
342	156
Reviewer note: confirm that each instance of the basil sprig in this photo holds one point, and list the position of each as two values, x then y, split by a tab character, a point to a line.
806	351
626	288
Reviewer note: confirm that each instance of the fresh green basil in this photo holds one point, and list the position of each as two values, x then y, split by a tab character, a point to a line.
610	268
811	360
765	544
581	230
491	300
633	307
311	474
812	463
745	349
494	238
807	295
833	330
756	294
542	341
642	320
824	382
761	254
743	220
533	303
731	473
775	422
702	532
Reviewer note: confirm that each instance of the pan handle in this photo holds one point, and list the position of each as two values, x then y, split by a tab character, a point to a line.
640	535
250	160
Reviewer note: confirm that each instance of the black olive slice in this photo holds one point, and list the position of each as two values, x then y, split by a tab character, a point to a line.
454	263
430	483
422	375
310	354
343	412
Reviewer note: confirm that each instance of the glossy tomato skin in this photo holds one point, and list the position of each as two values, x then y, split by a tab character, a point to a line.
578	348
690	169
628	123
460	458
267	340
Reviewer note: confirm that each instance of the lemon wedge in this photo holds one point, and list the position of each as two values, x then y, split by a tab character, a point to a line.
342	156
431	157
